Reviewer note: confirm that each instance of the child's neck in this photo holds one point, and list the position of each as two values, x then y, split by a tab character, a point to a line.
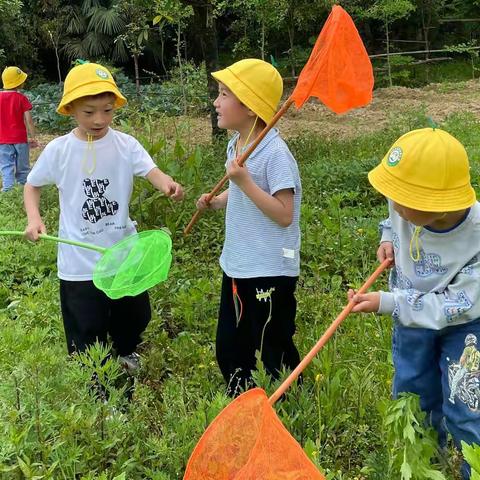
247	135
449	220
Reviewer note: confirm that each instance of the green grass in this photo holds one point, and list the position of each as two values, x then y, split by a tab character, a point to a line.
51	426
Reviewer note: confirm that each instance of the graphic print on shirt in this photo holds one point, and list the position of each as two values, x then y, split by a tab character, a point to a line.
396	242
97	206
464	375
429	264
399	281
468	268
456	306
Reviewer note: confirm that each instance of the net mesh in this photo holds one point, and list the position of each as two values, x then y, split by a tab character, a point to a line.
339	71
134	264
247	441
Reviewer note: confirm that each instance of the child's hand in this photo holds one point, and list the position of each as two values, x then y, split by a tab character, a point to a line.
365	302
385	250
34	143
202	203
34	229
173	190
238	174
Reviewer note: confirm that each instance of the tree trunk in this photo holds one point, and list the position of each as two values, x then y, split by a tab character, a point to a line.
291	35
263	40
162	50
58	64
206	50
389	67
180	67
137	74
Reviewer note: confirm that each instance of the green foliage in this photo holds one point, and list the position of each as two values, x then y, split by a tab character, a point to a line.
154	99
390	10
53	426
411	444
470	48
472	456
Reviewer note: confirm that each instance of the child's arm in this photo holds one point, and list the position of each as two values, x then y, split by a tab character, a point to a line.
366	302
385	249
27	116
459	302
31	199
165	183
277	207
217	203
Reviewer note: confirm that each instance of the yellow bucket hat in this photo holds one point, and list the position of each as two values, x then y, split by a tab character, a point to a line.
257	84
85	80
426	170
12	77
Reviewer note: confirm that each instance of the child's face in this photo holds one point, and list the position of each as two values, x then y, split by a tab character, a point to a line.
231	113
417	217
93	115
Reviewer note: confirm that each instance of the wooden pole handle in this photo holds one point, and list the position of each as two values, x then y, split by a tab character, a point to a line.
326	336
241	160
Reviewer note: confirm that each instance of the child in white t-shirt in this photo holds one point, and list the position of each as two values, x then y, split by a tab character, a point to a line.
93	168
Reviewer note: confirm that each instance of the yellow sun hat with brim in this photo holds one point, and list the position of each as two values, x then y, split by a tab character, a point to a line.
257	84
85	80
12	77
426	170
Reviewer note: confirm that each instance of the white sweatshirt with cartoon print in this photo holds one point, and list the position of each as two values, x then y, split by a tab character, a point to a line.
442	288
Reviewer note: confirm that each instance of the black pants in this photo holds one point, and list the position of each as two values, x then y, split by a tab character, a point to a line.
89	315
256	314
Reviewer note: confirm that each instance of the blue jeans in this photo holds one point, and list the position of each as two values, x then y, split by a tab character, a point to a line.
442	367
14	164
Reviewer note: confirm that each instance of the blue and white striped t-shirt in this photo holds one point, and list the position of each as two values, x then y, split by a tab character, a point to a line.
255	245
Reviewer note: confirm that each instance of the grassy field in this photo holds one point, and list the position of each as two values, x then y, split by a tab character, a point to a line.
49	423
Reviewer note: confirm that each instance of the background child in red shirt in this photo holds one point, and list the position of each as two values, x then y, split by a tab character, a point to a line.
15	119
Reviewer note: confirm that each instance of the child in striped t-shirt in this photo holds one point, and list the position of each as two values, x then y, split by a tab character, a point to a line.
260	257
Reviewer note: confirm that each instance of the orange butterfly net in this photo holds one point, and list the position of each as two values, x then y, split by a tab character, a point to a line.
247	441
338	72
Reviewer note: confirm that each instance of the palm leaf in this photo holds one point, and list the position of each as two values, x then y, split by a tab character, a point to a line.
75	23
120	51
107	21
96	44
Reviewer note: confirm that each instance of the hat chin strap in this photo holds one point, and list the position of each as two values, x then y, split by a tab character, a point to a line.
415	241
248	137
89	148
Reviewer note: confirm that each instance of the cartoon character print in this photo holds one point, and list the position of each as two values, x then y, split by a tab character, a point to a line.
429	264
468	268
464	375
456	306
97	206
387	223
401	282
395	241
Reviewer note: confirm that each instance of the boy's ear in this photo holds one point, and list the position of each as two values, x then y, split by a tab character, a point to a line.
68	108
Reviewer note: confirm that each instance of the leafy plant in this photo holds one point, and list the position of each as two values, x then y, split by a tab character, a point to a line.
472	456
411	444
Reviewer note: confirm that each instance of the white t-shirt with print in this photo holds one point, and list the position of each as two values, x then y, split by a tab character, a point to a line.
95	183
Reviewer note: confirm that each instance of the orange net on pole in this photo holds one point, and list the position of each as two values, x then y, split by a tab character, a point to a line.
339	71
248	442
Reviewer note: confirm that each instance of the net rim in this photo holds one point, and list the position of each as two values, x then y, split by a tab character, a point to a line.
115	293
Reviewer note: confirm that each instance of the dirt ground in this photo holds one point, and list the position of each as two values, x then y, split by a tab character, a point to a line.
438	100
